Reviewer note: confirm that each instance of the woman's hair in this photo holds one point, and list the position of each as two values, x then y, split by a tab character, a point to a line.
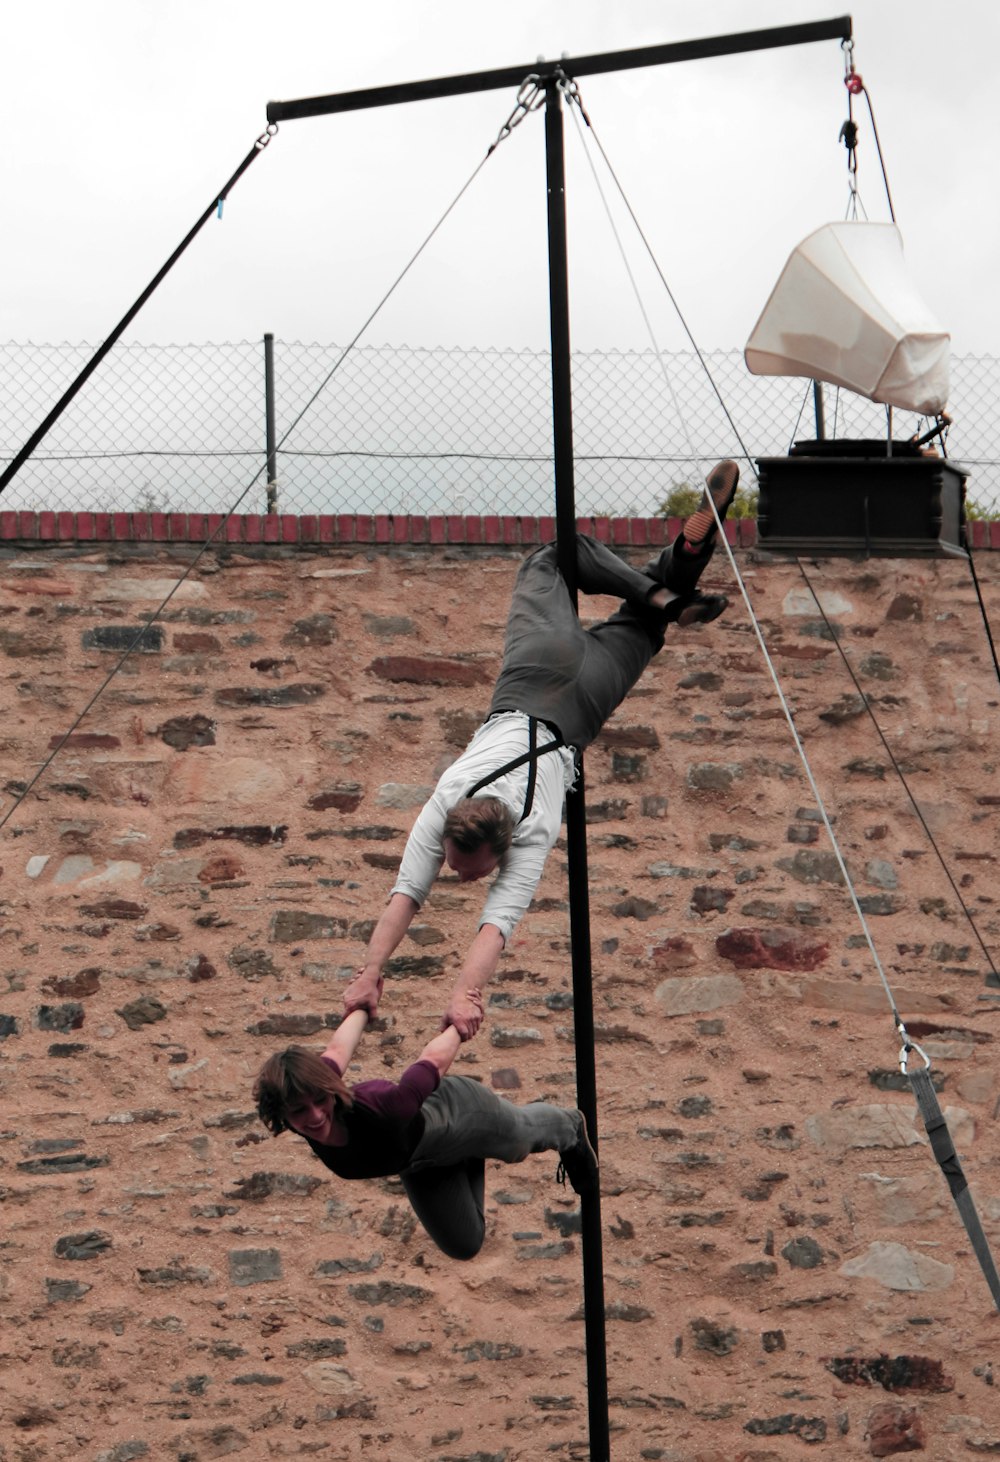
478	821
291	1077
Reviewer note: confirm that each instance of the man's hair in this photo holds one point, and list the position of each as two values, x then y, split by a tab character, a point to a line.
291	1077
476	822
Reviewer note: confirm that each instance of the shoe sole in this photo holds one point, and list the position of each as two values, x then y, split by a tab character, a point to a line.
721	485
703	611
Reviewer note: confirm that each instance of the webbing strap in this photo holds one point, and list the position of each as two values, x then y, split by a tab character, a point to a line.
947	1158
531	755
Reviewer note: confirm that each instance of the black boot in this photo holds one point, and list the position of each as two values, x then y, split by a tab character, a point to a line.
695	609
579	1162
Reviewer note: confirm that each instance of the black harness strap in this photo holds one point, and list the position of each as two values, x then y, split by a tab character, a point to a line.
531	755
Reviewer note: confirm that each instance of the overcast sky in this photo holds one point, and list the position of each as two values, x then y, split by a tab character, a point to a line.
125	117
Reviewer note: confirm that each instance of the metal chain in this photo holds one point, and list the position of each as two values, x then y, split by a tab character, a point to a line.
530	97
271	130
849	131
571	91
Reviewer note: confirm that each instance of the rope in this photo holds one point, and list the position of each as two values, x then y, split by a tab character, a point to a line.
802	407
574	96
933	1119
787	712
849	134
982	606
786	709
897	769
693	455
522	108
935	1125
878	149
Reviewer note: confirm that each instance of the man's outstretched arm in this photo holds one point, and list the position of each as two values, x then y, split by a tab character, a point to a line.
465	1008
365	990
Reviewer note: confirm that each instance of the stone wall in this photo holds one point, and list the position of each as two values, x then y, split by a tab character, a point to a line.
192	877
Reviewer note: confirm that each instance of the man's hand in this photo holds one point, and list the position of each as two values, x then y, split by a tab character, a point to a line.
364	992
465	1013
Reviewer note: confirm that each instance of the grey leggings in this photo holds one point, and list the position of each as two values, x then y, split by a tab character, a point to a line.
573	677
466	1123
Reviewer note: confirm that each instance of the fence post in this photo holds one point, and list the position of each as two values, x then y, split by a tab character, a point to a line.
270	444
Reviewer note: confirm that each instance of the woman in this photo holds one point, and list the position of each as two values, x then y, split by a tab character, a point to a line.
436	1131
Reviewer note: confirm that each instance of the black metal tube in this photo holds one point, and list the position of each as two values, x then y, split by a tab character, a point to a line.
818	408
562	387
271	443
576	811
592	1239
41	431
839	29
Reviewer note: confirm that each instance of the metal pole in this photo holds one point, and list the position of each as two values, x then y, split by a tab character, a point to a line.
576	812
511	76
271	440
818	408
46	426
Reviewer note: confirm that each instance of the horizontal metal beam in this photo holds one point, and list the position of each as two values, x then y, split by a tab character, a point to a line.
512	76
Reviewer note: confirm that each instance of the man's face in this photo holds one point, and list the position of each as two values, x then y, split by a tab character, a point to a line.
470	866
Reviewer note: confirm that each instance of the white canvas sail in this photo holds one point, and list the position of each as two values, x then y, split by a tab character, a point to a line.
845	311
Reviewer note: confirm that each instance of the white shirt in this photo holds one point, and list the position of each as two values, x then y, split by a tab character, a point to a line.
499	741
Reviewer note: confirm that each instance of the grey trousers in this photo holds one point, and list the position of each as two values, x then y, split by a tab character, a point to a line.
466	1123
573	677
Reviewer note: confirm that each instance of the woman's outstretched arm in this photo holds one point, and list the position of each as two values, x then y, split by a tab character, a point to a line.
442	1050
344	1041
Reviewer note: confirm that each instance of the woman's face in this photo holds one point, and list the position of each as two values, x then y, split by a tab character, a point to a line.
313	1117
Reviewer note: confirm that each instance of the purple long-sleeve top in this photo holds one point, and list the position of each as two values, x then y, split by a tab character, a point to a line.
383	1127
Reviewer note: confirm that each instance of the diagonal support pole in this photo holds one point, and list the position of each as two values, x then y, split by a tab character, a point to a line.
576	811
43	429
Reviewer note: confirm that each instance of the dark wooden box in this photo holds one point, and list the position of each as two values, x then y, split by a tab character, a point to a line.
853	497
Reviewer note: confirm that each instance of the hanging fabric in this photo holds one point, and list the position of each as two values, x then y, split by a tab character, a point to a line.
844	310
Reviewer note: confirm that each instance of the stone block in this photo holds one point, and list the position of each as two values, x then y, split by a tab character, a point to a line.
777	948
692	994
254	1266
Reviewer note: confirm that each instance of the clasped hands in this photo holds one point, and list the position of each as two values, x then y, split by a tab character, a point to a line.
465	1009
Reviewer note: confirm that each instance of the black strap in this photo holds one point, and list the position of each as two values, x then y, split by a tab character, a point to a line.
531	755
529	791
943	1149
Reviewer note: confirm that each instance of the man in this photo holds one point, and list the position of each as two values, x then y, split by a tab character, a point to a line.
499	806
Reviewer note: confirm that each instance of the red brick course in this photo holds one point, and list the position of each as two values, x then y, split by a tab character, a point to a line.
350	528
21	526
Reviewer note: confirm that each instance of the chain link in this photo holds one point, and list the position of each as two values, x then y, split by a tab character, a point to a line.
271	130
571	91
849	132
530	97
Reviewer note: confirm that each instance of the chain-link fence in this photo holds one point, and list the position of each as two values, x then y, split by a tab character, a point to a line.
395	429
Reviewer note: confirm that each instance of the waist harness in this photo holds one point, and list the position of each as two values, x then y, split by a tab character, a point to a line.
532	754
